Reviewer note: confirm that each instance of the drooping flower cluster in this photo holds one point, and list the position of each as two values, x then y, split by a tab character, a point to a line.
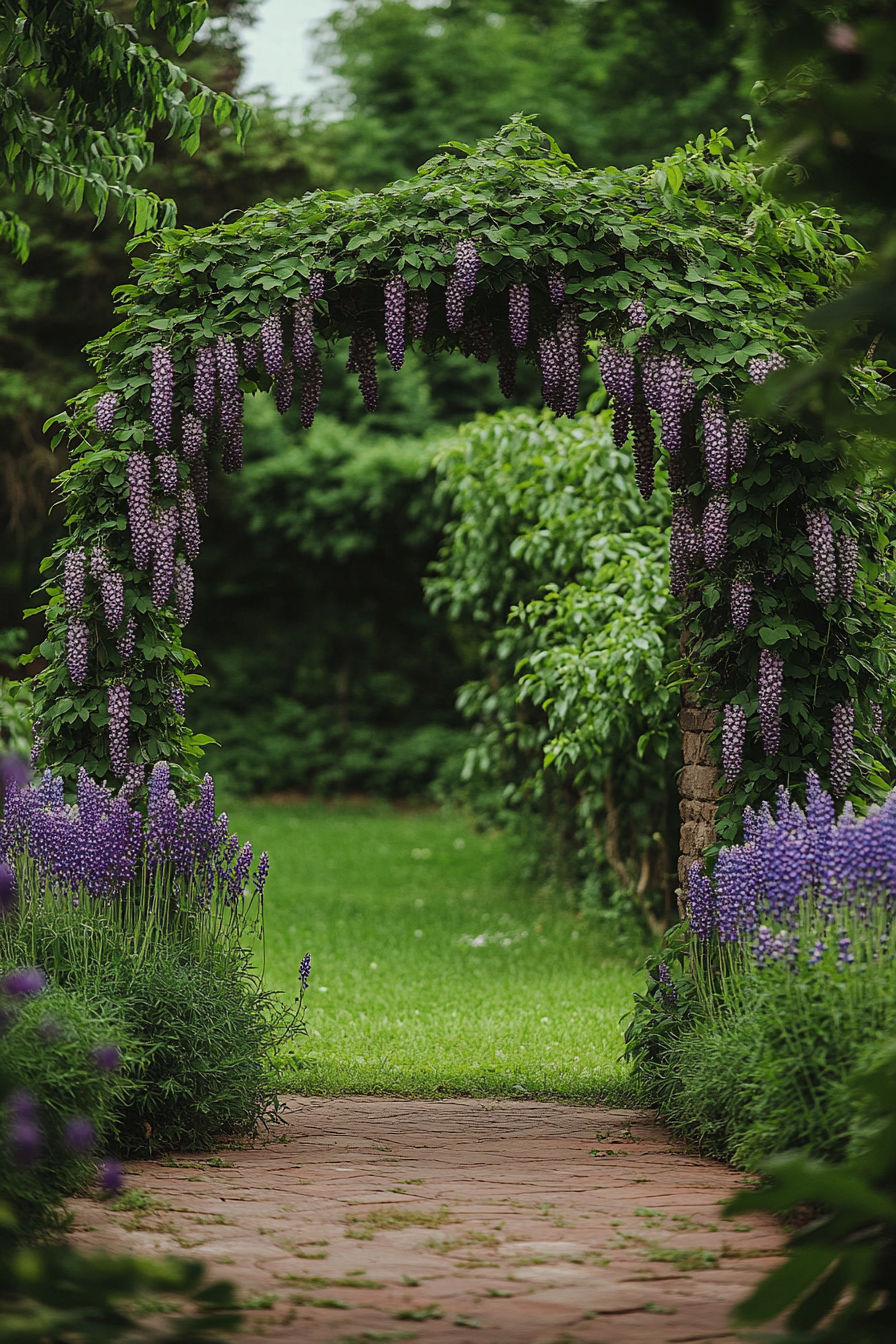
643	450
741	601
556	286
316	285
303	332
715	529
119	705
518	314
283	386
771	686
183	590
507	373
395	305
161	399
271	340
477	338
74	578
877	717
734	732
188	522
685	544
249	350
418	312
824	559
177	699
191	436
128	640
140	520
166	469
637	313
617	371
466	266
738	444
231	453
105	411
847	564
163	555
362	360
842	734
311	389
455	303
228	362
204	380
715	443
76	650
112	590
759	368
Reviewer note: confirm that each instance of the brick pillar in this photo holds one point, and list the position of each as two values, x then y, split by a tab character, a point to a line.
697	786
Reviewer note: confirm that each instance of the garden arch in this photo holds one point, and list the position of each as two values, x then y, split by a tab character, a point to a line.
686	279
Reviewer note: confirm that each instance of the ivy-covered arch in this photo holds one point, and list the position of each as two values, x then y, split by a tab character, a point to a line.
686	279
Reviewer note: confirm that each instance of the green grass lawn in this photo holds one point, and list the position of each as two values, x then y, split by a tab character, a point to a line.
435	968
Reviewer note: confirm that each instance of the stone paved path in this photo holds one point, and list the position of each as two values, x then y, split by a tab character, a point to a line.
379	1219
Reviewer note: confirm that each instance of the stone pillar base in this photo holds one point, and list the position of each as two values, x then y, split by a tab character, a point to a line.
699	796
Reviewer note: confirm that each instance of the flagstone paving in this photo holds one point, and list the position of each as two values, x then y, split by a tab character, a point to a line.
366	1219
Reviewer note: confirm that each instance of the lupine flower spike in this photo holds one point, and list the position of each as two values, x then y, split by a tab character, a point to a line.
305	970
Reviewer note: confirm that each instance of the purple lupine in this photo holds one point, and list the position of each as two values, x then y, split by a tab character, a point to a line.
617	371
507	373
231	452
771	685
249	351
305	970
551	374
701	903
112	588
303	331
183	590
177	699
169	479
643	450
128	640
715	442
455	303
76	650
759	368
119	705
518	314
283	386
163	556
228	361
105	411
715	529
556	286
569	342
204	378
261	874
847	564
667	984
106	1058
824	560
844	956
842	734
74	575
734	731
191	436
738	444
741	601
362	360
316	285
23	1133
79	1135
466	266
188	522
311	388
418	312
161	399
24	982
271	341
877	717
395	305
140	520
817	953
110	1176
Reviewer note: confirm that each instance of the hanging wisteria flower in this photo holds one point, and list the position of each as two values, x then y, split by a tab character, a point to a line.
680	545
311	388
466	266
316	285
551	374
418	312
232	451
183	590
119	703
76	650
99	564
821	540
569	349
191	436
161	399
877	718
204	377
477	338
188	522
715	442
556	286
283	387
507	373
741	602
759	368
105	411
455	302
228	362
847	564
617	371
128	640
303	331
199	480
676	397
250	354
734	731
163	555
842	748
395	305
271	340
177	699
140	520
362	360
643	450
738	444
637	314
169	480
771	685
715	529
518	314
74	576
112	589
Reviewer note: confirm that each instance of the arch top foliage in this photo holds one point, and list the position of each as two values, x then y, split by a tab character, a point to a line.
550	262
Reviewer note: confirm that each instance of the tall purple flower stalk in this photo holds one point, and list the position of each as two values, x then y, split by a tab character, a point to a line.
741	601
112	589
715	529
303	331
311	389
418	312
842	748
821	540
119	703
76	650
771	685
204	379
701	903
105	411
715	443
734	731
847	564
177	699
271	340
518	314
140	520
191	436
395	306
74	571
161	400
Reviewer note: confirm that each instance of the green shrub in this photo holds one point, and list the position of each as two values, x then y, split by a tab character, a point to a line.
48	1047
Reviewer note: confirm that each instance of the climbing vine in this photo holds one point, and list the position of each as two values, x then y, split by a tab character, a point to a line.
687	280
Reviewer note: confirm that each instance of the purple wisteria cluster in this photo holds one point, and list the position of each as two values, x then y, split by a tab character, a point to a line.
618	373
771	686
204	382
362	361
303	331
161	399
734	732
105	411
507	373
741	600
271	341
842	737
824	558
715	529
795	862
101	847
312	383
560	361
140	520
847	565
685	544
283	386
418	312
760	368
74	576
556	286
395	309
191	436
518	314
119	707
227	359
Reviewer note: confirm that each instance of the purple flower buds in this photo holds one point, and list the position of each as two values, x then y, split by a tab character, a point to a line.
738	444
454	305
227	359
99	564
362	359
734	730
105	411
119	704
847	564
418	312
303	332
741	601
305	970
771	685
477	338
283	387
682	543
204	382
231	454
74	574
637	313
759	369
569	342
139	517
518	314
168	475
163	555
715	530
76	650
715	443
551	374
161	400
271	338
261	874
842	748
395	302
250	354
466	265
183	590
507	373
128	640
617	371
877	717
191	437
177	699
7	890
188	522
112	588
316	285
79	1134
556	286
701	903
821	540
311	388
643	446
24	982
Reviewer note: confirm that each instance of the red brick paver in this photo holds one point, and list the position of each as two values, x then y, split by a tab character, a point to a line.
455	1215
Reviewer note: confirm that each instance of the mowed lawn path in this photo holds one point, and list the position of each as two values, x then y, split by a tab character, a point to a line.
436	968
